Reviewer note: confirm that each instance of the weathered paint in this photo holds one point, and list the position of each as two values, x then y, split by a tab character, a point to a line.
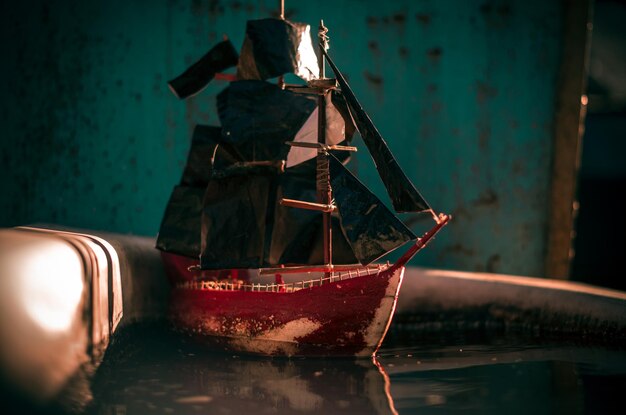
348	317
464	93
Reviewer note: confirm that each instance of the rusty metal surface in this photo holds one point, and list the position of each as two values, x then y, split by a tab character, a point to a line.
464	93
568	131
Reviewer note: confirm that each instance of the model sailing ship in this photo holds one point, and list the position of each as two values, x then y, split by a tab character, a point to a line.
269	191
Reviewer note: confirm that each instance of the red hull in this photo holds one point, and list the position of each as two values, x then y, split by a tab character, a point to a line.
346	317
347	313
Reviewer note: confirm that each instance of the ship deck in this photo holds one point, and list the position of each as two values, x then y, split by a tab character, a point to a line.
288	287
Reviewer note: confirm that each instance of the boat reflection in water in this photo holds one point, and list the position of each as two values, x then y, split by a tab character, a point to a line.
148	375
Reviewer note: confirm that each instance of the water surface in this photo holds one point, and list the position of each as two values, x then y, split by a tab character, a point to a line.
149	369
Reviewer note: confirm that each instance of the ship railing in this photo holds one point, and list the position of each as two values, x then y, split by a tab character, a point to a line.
240	285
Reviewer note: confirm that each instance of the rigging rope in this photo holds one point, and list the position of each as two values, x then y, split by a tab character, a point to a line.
322	35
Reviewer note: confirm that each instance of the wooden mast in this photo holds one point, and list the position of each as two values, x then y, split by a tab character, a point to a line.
324	191
281	16
321	88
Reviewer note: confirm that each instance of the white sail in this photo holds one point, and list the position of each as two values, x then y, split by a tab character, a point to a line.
335	134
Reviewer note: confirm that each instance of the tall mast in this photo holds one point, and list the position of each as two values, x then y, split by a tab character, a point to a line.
324	192
281	16
321	88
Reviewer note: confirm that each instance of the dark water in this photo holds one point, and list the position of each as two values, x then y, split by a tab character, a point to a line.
150	370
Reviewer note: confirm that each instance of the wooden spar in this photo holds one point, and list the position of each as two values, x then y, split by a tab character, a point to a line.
320	146
313	86
307	205
324	192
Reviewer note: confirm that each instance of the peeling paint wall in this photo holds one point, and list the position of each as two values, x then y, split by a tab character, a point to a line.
463	91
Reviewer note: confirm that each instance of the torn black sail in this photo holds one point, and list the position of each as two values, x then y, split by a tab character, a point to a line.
403	194
258	117
180	228
297	233
234	222
222	56
370	228
244	226
273	47
179	232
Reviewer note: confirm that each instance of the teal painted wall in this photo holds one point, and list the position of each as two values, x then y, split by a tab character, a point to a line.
463	91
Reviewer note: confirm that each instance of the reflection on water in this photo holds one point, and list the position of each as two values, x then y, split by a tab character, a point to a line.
173	375
153	371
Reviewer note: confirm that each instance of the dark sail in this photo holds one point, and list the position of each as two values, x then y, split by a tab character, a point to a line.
371	229
206	149
258	117
403	194
273	47
297	233
234	222
271	234
244	226
180	228
222	56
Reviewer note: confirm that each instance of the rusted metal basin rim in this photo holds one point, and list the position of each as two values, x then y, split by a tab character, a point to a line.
449	300
63	294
